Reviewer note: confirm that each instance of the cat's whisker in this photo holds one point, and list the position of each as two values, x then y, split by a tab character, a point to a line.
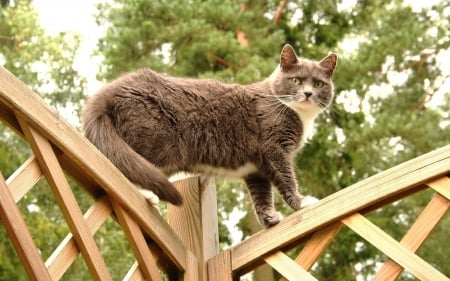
276	108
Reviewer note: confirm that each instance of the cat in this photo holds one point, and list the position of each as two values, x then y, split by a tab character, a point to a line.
151	125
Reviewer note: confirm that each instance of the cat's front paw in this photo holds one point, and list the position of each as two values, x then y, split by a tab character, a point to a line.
270	218
308	201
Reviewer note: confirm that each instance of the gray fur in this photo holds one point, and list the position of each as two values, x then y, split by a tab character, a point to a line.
151	125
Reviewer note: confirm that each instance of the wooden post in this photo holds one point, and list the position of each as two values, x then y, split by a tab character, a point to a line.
196	221
220	267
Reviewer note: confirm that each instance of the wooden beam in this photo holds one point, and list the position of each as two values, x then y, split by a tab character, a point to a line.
288	268
147	263
219	267
397	180
20	235
416	235
192	269
24	178
66	202
317	245
134	273
196	221
441	185
67	251
397	252
17	97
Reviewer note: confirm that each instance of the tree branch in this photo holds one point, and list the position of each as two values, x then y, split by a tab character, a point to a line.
279	12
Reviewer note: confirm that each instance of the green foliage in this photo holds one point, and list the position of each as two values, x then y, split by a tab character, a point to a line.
377	121
43	62
169	36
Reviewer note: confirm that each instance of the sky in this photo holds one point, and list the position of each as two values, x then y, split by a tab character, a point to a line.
75	16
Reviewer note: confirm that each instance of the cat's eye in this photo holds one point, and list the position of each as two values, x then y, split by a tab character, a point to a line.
318	84
297	81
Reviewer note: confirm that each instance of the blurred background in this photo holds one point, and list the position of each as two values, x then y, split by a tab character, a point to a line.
392	99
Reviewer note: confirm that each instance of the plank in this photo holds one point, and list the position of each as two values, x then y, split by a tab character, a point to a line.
194	221
134	273
67	251
219	267
191	273
397	252
24	178
288	268
147	263
416	235
317	245
441	185
20	236
378	188
67	202
15	95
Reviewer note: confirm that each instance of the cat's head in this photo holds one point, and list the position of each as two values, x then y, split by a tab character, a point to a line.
304	85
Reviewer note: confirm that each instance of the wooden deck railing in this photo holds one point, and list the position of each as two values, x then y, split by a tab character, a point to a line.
185	247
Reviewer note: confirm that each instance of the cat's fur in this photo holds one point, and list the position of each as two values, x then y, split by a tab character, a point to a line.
151	125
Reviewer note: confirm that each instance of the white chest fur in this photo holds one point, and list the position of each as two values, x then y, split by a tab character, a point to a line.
308	125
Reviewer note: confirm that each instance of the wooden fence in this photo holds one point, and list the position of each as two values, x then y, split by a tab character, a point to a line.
186	246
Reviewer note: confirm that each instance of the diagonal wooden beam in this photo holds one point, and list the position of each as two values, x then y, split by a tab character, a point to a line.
294	229
24	178
288	268
134	273
316	245
147	263
79	154
67	202
20	235
397	252
67	251
416	235
441	185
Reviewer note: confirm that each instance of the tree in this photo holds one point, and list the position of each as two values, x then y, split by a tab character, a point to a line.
45	63
383	86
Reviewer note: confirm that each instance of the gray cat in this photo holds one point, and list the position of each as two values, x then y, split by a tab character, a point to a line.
151	125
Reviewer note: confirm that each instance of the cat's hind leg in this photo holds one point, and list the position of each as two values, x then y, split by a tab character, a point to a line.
261	193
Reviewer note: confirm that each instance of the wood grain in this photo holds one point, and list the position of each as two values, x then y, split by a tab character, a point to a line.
288	268
219	267
317	245
397	252
17	98
20	235
441	185
67	251
66	202
398	180
196	221
147	263
416	235
24	178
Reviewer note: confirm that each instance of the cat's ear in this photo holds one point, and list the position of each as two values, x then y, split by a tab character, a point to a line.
329	64
288	57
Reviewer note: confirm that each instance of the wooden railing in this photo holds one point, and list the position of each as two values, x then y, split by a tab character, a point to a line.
185	247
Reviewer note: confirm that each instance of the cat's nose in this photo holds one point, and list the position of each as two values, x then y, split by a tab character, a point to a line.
308	94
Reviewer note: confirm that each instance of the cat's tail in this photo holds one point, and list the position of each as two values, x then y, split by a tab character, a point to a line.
98	128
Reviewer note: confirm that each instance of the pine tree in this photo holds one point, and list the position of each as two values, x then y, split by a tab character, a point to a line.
382	115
